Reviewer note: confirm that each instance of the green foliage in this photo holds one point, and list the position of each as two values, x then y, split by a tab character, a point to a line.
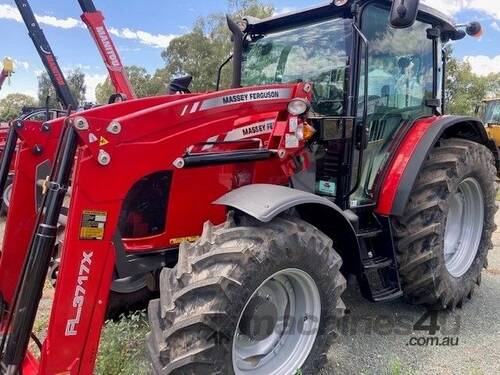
143	83
76	83
465	90
11	105
122	349
200	52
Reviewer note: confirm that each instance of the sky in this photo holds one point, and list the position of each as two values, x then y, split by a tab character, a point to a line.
142	29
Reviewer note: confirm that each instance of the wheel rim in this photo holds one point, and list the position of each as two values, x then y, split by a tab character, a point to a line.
129	284
278	325
464	227
7	193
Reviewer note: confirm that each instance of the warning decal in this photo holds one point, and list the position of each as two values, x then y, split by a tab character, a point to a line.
92	226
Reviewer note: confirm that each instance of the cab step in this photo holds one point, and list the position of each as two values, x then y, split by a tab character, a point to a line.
387	294
377	263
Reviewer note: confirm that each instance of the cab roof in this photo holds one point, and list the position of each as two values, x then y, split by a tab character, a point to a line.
329	9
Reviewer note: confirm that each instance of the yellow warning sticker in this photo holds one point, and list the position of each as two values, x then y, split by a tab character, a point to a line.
179	240
103	141
92	225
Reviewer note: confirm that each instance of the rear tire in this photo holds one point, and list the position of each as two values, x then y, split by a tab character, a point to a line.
202	299
429	276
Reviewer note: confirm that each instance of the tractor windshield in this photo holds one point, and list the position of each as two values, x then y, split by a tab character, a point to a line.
492	114
316	53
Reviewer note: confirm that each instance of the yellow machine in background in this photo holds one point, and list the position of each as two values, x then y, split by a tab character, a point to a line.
6	72
491	118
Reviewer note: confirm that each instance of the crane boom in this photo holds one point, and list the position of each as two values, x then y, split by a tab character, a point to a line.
45	52
94	20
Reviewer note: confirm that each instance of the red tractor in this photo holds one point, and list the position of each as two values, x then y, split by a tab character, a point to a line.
246	208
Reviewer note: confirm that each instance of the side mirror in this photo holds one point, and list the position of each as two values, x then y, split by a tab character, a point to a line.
403	13
180	85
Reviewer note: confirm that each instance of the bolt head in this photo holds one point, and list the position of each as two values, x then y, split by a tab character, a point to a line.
45	127
114	127
178	163
103	158
81	123
37	149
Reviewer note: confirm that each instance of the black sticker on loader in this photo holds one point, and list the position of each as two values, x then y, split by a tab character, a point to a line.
92	227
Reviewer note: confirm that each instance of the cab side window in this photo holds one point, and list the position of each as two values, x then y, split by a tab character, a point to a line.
400	80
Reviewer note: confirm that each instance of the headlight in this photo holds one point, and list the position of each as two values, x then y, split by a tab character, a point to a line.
297	107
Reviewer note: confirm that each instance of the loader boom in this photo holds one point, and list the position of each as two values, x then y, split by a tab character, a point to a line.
45	52
94	20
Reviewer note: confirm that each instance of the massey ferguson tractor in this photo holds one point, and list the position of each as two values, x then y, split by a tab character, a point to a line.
246	208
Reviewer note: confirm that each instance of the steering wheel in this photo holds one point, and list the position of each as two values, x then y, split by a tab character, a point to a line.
328	105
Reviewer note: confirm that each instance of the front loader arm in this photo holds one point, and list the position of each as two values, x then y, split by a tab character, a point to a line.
94	20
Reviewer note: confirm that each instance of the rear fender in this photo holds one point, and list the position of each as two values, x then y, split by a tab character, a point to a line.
406	164
265	201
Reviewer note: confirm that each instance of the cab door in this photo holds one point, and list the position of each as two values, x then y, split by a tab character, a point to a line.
401	76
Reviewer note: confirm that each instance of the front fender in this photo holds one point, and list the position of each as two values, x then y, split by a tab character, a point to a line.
266	201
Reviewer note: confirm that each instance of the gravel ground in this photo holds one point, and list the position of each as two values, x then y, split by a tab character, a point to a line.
375	338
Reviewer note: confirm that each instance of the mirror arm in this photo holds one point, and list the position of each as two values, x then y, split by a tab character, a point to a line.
219	71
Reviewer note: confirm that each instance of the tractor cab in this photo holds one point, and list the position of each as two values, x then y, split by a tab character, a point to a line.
489	112
492	112
370	82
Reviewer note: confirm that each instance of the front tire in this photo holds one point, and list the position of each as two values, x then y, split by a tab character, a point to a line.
207	318
443	238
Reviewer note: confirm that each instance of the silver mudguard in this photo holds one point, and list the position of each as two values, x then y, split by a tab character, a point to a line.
265	201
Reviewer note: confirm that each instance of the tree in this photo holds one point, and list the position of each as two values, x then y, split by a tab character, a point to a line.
143	83
76	83
493	85
464	89
11	105
200	52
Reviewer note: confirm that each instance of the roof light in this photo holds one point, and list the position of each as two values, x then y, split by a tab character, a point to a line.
298	106
474	29
340	3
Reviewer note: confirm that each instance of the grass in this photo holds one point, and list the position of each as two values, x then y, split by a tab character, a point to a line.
122	349
397	368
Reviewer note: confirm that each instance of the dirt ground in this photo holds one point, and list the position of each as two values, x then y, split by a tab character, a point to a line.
377	338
